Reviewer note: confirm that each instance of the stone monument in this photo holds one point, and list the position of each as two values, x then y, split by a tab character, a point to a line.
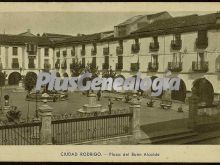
92	106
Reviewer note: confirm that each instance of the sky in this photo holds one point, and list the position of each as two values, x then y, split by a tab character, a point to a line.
70	23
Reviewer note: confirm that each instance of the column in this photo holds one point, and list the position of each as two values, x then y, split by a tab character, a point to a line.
45	113
23	57
39	58
135	107
193	110
6	57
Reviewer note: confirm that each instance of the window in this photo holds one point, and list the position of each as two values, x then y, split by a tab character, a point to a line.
58	54
73	51
46	51
46	61
64	53
0	50
14	51
15	63
176	57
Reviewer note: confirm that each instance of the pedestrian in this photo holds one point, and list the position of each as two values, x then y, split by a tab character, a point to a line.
110	105
99	95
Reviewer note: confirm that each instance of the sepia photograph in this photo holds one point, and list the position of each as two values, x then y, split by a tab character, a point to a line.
76	77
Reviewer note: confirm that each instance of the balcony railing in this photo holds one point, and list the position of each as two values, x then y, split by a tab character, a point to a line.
57	65
153	67
31	66
154	46
202	43
93	51
83	52
135	48
119	66
105	66
106	51
134	67
119	50
176	44
15	65
200	66
175	66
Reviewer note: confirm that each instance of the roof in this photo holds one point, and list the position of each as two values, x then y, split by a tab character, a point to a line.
56	37
21	40
139	17
26	34
179	22
84	38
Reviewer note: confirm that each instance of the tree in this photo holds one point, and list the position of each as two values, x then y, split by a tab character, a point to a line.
30	81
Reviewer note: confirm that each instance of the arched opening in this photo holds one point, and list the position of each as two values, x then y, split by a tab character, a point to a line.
65	75
180	94
58	74
14	78
204	90
120	76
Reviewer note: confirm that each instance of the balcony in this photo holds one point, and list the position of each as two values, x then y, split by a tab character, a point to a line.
134	67
83	52
105	66
31	66
119	50
93	51
153	67
106	51
135	48
47	66
200	66
15	66
119	66
154	46
57	65
202	43
175	66
176	44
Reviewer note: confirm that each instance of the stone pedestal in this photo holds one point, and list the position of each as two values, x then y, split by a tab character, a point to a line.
92	106
45	113
193	111
135	107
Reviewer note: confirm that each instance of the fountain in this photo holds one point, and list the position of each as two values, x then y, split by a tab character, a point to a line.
92	106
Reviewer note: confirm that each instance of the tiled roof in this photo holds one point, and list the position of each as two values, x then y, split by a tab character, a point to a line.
178	22
21	40
56	37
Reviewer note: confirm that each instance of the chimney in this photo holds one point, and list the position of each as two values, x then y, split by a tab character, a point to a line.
29	30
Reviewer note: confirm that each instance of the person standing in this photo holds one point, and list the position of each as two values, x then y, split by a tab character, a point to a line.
110	105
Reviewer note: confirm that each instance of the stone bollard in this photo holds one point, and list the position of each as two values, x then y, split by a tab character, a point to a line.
193	110
135	107
45	113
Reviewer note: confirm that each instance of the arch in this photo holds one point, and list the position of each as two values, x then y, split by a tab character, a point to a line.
57	74
120	75
65	75
179	95
32	74
14	78
204	90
